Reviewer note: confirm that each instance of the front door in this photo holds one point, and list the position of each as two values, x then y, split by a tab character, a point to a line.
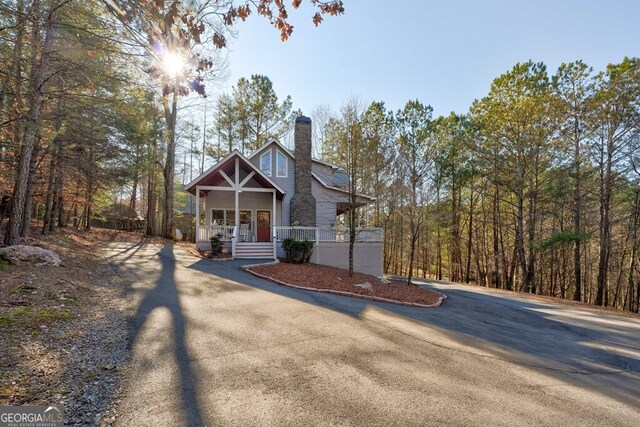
264	226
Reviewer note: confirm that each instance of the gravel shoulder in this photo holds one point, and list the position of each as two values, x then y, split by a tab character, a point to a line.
64	328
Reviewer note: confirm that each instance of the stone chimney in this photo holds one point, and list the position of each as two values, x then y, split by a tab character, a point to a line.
303	204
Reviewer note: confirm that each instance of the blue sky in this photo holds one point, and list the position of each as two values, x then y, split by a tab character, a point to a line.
444	53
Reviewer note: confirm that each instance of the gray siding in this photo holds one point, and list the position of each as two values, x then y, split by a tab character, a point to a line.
326	204
287	184
326	199
367	257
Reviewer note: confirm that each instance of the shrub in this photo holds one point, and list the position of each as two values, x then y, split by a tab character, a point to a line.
298	251
216	244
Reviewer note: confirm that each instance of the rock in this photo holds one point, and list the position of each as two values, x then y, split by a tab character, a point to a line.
23	254
365	285
109	367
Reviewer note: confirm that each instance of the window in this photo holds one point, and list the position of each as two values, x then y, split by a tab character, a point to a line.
217	217
265	163
281	165
245	217
230	217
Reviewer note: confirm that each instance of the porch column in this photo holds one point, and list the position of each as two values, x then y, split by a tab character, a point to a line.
237	180
273	226
237	211
273	218
197	222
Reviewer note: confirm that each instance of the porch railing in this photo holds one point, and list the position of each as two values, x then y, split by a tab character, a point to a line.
234	238
314	234
328	234
297	233
206	232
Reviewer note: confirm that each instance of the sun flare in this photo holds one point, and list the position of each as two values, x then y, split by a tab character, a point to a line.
173	64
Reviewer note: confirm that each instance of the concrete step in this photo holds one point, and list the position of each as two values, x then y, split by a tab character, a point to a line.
254	250
254	244
254	256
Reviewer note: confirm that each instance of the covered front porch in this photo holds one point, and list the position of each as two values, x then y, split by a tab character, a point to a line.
238	203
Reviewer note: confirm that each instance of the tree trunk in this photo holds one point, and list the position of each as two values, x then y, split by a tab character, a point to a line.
352	239
438	233
170	161
37	81
412	248
496	246
470	239
522	259
25	228
48	205
635	223
11	90
456	257
151	202
90	187
605	229
577	213
531	226
134	193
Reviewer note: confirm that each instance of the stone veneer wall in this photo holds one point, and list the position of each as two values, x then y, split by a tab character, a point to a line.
303	204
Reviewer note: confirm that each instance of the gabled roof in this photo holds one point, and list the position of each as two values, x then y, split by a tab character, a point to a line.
291	153
342	190
313	174
211	177
266	144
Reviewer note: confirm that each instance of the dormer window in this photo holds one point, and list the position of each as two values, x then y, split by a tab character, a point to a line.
265	163
282	167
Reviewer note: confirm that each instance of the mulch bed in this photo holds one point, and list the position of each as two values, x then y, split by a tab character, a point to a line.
207	254
335	280
190	247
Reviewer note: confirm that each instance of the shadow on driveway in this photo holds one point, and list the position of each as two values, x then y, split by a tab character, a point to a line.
165	295
584	348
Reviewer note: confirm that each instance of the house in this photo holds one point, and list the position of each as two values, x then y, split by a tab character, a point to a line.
255	202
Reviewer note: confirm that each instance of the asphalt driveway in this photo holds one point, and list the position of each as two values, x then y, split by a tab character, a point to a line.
213	345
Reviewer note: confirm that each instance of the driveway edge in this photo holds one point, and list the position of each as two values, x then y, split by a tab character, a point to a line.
248	269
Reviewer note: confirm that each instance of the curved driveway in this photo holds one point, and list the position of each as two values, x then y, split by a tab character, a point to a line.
212	345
